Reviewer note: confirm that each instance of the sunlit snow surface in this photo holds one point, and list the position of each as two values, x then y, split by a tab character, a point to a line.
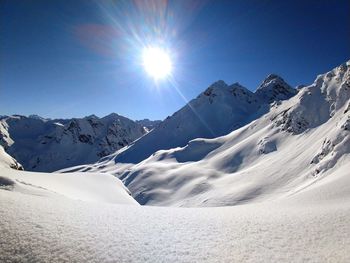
36	228
91	218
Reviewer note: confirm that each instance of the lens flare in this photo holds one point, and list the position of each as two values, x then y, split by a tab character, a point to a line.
156	62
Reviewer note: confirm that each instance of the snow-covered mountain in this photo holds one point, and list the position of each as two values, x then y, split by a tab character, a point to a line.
47	145
36	142
220	109
295	144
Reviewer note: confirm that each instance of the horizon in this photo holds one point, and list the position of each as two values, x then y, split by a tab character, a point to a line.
65	60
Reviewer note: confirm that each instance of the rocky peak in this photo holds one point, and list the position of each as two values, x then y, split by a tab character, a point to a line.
214	88
274	88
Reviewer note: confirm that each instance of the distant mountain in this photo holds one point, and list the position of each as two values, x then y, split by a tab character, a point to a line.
217	111
296	143
47	145
148	124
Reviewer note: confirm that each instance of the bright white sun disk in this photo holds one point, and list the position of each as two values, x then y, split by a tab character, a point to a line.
156	62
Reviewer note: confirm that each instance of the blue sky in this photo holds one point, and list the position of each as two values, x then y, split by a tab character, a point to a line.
63	58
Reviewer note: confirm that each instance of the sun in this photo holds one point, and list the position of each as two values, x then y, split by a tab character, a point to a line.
156	62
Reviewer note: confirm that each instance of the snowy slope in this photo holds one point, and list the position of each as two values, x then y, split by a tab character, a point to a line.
217	111
92	187
297	143
47	145
7	161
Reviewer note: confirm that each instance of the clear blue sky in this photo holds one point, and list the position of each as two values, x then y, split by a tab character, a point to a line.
76	58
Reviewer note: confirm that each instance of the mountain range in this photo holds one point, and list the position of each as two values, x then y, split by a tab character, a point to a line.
281	141
47	145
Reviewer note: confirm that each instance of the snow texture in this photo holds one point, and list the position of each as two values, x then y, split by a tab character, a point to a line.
303	228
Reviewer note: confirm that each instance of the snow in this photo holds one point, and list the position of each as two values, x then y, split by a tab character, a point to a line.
37	228
77	217
92	187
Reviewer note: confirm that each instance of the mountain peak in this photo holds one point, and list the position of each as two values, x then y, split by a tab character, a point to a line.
37	117
214	88
218	84
273	76
272	79
274	88
112	115
92	116
237	85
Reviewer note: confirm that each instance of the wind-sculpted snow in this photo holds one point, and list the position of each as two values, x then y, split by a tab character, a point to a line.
48	145
297	142
41	229
78	217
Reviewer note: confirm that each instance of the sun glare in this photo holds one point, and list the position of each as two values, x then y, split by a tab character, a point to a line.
156	62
